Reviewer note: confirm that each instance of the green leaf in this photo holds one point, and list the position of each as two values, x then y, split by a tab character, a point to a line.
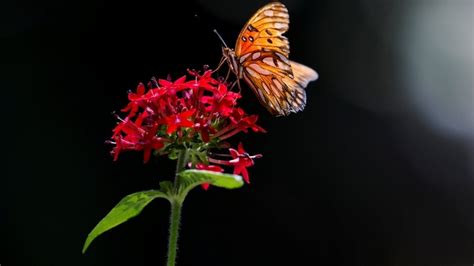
203	157
167	188
127	208
189	179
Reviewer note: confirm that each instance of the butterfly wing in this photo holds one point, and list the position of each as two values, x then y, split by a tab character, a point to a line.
279	93
265	29
262	51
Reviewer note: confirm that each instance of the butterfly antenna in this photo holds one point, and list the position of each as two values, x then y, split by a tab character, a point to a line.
220	37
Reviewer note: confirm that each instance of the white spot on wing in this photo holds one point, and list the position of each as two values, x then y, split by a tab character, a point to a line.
261	95
268	13
251	72
255	55
242	58
279	25
275	91
278	84
265	87
271	104
260	70
269	61
282	57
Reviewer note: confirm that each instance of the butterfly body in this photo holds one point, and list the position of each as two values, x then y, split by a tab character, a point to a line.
232	60
261	59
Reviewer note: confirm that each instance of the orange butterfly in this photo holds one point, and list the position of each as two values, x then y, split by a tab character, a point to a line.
261	59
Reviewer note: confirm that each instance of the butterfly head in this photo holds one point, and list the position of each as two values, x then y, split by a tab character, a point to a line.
228	52
231	58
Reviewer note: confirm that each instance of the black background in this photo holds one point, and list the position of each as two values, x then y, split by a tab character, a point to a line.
355	179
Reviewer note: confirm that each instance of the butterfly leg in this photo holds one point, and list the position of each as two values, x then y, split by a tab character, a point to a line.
232	86
227	76
223	59
238	85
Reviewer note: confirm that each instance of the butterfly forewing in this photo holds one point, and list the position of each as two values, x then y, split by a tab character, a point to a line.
265	29
262	52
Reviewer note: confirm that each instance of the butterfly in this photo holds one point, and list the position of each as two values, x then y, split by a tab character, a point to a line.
261	59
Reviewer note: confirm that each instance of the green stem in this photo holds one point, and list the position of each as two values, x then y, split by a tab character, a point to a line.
181	164
174	232
176	204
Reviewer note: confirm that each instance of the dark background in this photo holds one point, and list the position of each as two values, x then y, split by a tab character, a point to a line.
376	171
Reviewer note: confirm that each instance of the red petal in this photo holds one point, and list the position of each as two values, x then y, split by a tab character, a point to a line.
186	123
210	167
240	148
157	145
207	99
205	135
187	114
222	89
171	128
140	89
165	83
146	155
215	168
181	80
234	153
245	175
238	169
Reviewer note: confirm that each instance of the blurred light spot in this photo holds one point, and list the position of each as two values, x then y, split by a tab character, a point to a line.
438	51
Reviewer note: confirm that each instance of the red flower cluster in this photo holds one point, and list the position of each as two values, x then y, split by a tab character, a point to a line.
196	115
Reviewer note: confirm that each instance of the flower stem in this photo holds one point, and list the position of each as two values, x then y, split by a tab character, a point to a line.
181	164
176	204
174	232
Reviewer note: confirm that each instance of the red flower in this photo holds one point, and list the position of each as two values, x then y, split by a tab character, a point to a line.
202	82
177	121
134	98
151	142
240	121
241	160
173	87
203	126
204	106
222	101
136	138
250	122
213	168
244	121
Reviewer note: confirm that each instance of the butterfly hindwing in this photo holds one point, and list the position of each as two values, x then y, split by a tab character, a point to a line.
302	74
275	94
279	92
